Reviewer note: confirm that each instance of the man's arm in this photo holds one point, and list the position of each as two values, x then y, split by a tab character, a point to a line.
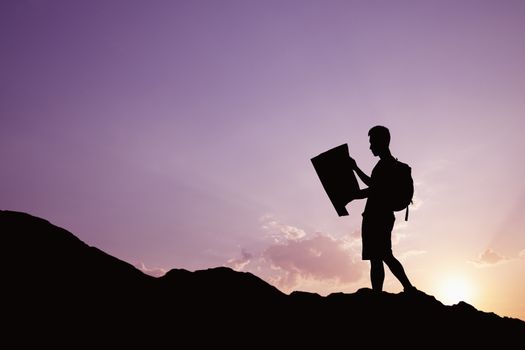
365	178
361	194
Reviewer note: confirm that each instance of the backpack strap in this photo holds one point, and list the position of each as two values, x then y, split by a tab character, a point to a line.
406	211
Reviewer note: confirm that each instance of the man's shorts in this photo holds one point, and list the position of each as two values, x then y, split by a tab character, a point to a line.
376	233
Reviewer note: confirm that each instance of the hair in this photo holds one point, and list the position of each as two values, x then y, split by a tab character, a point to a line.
380	134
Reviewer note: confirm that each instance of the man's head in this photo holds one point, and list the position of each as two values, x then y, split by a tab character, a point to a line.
379	140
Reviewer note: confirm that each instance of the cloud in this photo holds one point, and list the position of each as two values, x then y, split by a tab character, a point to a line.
320	258
489	258
238	264
417	201
293	259
281	232
155	272
521	255
410	253
399	231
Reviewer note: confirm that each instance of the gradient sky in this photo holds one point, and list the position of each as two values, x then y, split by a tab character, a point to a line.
179	134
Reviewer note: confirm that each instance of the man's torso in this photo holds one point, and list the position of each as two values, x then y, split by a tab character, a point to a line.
378	197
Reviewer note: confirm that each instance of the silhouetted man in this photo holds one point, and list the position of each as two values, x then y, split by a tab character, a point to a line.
378	217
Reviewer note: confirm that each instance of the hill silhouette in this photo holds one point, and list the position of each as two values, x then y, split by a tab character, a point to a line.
59	290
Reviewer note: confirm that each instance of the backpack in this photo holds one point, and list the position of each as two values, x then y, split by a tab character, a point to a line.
401	187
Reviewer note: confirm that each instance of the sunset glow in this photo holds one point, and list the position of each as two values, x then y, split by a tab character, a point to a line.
454	290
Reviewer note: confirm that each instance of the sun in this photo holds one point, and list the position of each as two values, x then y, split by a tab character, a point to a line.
454	290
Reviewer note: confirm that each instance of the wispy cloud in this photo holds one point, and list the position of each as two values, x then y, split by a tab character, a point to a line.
490	258
411	253
399	232
155	272
417	201
279	231
240	263
521	255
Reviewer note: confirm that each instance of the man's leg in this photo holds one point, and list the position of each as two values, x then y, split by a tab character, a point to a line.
397	269
377	274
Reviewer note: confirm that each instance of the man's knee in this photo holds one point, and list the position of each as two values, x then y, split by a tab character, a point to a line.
389	258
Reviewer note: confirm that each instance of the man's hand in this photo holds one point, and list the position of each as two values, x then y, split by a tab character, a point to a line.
365	178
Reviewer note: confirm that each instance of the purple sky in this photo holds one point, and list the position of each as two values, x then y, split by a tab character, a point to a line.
179	133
